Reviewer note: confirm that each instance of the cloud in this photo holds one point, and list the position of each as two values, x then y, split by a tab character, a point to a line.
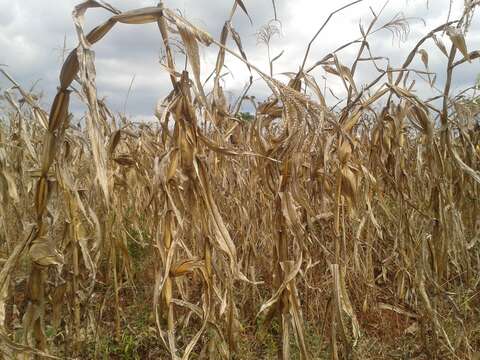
32	34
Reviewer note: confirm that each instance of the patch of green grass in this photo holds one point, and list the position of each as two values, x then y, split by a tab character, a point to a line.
130	346
264	344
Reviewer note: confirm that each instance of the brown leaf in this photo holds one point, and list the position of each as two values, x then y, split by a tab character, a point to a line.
43	254
344	151
440	45
458	39
424	56
59	110
243	7
349	184
125	160
191	46
140	16
185	266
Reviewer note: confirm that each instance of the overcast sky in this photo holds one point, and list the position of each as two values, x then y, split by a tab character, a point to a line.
32	34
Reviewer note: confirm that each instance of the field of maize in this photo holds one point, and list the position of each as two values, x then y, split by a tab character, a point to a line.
306	230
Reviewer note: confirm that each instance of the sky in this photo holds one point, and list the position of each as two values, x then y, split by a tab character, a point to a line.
33	34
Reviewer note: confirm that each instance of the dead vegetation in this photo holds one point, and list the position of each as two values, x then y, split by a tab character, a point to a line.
305	232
